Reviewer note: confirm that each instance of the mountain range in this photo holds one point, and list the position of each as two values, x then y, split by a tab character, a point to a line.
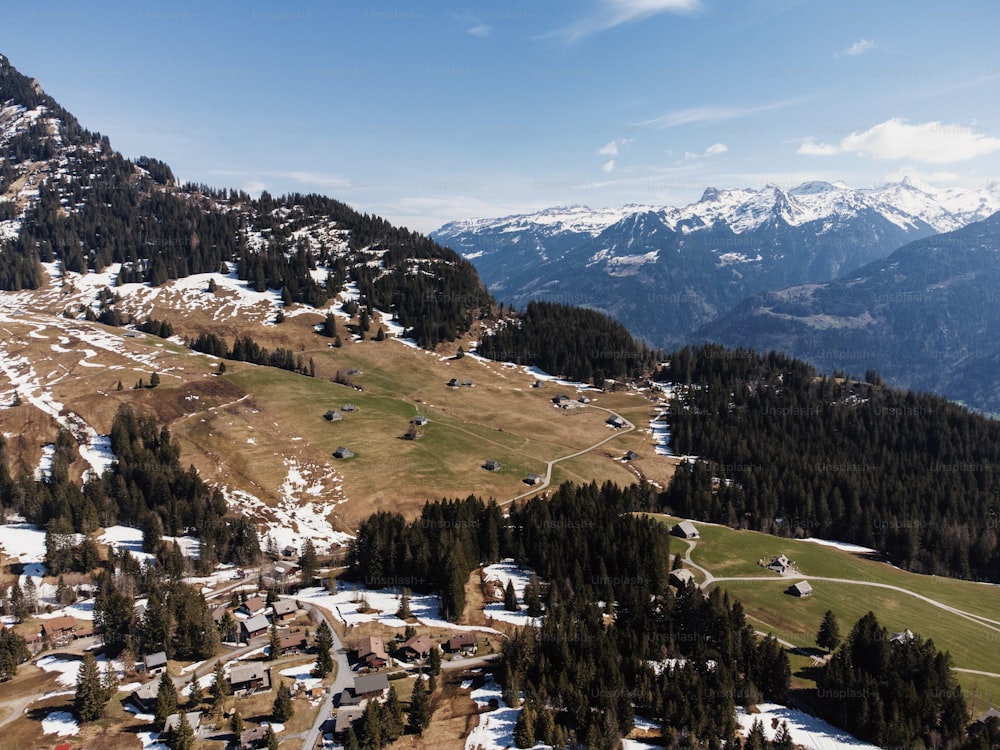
925	318
666	271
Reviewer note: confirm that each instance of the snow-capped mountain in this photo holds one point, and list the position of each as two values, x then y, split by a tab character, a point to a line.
663	271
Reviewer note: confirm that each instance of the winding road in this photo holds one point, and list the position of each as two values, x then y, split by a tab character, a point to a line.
981	620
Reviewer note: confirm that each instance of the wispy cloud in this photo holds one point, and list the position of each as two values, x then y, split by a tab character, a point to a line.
612	13
481	29
858	48
694	115
929	142
608	166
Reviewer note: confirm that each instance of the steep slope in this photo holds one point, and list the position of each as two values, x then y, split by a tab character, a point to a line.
925	318
665	271
68	200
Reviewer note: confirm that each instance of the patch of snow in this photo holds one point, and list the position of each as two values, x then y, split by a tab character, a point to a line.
844	546
806	730
60	723
502	572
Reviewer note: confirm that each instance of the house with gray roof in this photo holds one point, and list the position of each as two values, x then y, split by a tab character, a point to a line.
800	589
685	530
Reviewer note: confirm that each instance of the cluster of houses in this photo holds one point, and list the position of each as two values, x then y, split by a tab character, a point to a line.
256	615
371	653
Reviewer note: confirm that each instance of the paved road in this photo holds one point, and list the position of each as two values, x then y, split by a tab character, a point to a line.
549	464
344	679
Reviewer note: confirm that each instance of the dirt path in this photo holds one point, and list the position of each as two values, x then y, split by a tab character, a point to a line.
549	464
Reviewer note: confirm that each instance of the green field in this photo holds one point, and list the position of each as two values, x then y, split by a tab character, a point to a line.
973	644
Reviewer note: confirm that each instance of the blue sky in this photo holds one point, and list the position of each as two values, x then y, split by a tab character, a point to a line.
434	111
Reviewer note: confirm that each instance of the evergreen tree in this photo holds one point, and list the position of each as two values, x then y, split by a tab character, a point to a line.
324	642
434	662
419	717
271	739
351	740
89	700
221	687
533	596
828	636
370	728
783	738
13	651
756	739
524	729
154	380
109	682
195	694
329	326
307	563
282	708
182	738
393	724
403	613
166	698
274	643
510	597
236	723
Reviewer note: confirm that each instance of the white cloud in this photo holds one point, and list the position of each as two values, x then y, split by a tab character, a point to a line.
859	48
481	29
612	13
609	165
714	150
611	148
929	142
694	115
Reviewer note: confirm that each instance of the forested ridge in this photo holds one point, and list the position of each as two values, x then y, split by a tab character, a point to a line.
572	342
912	475
96	208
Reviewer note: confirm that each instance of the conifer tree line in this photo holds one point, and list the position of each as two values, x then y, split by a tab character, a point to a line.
893	693
245	349
145	487
435	552
912	475
572	342
579	675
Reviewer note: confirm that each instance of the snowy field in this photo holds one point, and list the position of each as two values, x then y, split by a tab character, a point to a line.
503	571
806	730
495	730
383	605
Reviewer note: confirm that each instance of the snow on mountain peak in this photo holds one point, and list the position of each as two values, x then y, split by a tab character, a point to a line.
909	203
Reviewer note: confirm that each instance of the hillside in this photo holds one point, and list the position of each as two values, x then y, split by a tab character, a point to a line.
785	450
665	271
98	253
925	318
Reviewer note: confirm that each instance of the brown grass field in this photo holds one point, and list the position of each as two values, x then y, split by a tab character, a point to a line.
242	428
